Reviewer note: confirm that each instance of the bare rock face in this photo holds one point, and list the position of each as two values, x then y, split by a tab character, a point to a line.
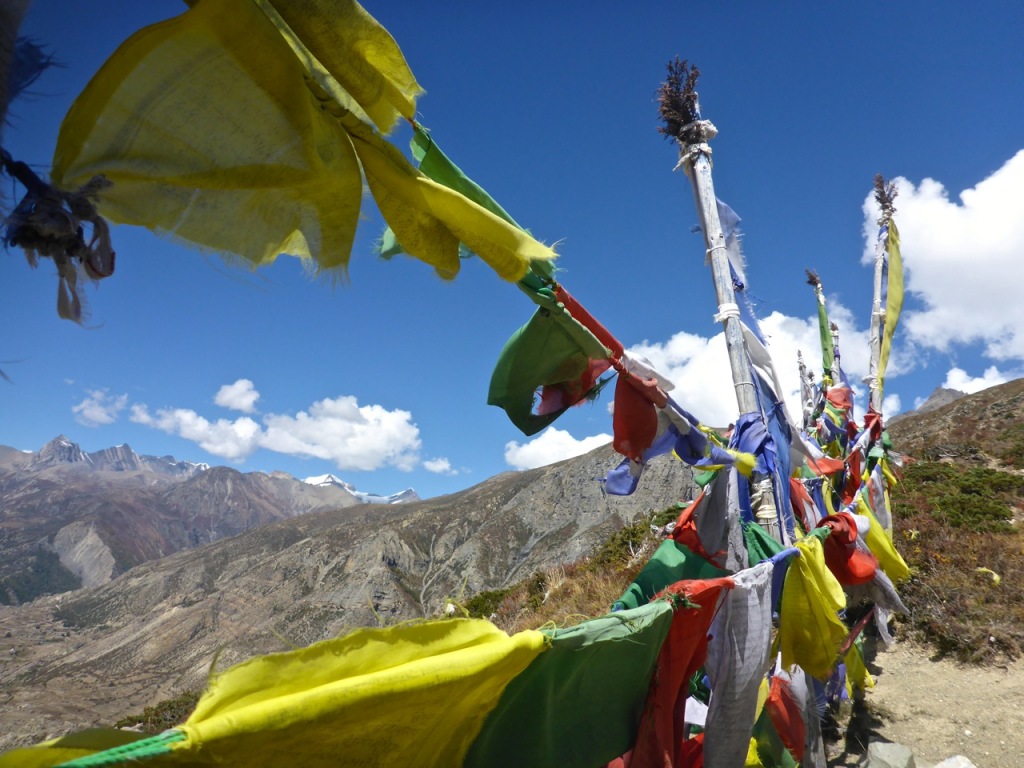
84	553
57	452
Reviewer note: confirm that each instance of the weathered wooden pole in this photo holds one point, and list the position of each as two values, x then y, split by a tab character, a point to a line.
806	391
884	194
680	110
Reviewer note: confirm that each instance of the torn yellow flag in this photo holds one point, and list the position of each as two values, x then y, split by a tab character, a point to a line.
810	631
893	298
230	129
358	52
996	578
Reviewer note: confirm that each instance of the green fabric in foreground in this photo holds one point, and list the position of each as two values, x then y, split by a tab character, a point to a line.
671	562
70	747
154	746
580	702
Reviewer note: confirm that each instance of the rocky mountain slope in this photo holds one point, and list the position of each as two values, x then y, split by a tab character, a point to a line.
70	518
983	427
95	655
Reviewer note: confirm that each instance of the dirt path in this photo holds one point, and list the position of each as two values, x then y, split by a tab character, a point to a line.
940	708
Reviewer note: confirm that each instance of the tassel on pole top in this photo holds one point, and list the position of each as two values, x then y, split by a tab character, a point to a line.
678	103
885	194
679	110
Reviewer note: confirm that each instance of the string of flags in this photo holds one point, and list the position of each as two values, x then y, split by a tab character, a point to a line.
730	641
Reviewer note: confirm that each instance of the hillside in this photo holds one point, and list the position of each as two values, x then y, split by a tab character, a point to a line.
96	655
515	542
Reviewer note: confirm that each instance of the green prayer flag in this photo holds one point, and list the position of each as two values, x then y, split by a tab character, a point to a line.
578	704
671	562
437	166
552	348
760	545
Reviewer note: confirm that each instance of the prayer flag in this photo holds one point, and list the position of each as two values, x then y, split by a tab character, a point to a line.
231	129
893	298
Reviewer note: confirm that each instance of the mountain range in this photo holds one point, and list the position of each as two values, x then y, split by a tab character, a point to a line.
72	518
209	564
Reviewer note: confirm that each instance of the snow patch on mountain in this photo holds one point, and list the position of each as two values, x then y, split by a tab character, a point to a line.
367	498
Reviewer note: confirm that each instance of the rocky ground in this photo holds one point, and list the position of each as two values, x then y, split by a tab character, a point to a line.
939	708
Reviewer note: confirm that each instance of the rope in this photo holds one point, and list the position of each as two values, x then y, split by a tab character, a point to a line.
726	311
711	250
137	750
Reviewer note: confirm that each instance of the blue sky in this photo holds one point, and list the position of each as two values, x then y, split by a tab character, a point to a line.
550	106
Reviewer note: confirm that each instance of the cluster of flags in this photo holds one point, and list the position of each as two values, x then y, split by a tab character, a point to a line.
723	649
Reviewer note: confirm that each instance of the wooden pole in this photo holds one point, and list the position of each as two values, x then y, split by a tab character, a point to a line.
680	109
806	391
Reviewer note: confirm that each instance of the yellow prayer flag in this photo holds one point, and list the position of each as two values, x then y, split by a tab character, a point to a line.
893	300
224	128
358	52
881	546
409	695
810	632
857	675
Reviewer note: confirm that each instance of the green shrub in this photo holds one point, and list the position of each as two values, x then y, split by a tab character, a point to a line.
160	717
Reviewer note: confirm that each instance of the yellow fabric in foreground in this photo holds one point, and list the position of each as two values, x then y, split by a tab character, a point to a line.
810	632
415	695
67	748
223	128
358	52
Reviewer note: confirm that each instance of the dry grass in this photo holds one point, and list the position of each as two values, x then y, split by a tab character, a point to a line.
950	521
569	594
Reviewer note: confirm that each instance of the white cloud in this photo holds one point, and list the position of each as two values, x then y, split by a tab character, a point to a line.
961	259
352	436
958	379
699	367
339	430
240	396
891	406
440	466
550	446
99	408
233	440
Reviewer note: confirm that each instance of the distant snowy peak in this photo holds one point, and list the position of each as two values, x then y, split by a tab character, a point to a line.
329	480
